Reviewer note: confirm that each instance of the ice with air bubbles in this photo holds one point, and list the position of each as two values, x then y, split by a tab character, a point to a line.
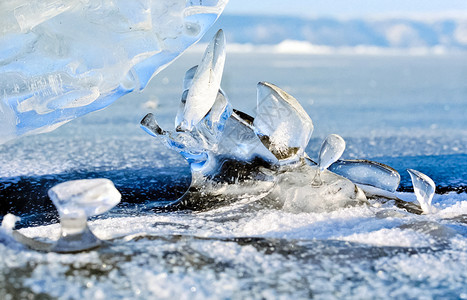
53	70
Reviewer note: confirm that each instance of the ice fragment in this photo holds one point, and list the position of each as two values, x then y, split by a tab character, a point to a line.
331	150
87	197
424	189
205	84
9	221
281	123
368	173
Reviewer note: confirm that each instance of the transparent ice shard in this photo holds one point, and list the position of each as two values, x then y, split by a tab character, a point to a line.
205	84
281	123
368	173
191	146
76	201
194	145
63	59
202	138
187	82
331	150
424	189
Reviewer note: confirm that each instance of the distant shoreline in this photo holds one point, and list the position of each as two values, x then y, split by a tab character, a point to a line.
294	47
393	35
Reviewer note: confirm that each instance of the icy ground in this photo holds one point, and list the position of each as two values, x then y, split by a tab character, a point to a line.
236	252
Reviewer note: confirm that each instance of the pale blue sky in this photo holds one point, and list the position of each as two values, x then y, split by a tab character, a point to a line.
347	7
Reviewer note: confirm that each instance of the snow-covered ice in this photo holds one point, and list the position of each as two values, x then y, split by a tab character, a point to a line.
229	253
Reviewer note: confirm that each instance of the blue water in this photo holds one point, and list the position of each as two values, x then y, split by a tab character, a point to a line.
405	111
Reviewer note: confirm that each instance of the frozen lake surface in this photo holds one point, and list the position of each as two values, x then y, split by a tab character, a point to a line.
405	111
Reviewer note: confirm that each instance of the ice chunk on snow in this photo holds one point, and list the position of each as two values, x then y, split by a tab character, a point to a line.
368	173
206	83
424	189
75	201
63	59
9	221
281	122
89	196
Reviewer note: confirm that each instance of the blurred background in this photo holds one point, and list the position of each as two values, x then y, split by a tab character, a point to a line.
345	8
356	26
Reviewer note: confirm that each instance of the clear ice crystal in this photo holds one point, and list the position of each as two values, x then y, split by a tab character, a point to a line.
187	82
205	84
202	137
281	123
424	189
368	173
240	142
331	150
62	59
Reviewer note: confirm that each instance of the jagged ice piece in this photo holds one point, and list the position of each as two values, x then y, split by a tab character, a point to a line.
206	84
149	124
424	189
281	123
75	201
62	59
187	82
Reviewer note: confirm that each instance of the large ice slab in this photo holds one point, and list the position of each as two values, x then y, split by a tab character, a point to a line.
63	59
